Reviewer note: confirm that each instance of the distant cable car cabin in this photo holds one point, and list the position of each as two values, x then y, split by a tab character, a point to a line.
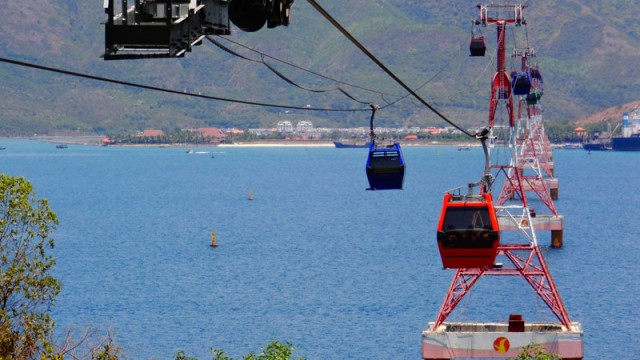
520	82
535	74
533	97
385	163
477	46
468	232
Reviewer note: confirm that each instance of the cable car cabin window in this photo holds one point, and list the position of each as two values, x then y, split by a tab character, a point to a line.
385	160
467	228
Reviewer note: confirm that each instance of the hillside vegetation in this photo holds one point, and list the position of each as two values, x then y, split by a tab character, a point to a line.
587	51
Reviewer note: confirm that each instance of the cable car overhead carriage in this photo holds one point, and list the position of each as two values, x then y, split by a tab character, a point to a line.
385	163
169	28
468	231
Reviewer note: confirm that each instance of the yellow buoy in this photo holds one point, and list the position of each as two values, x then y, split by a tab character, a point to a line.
214	242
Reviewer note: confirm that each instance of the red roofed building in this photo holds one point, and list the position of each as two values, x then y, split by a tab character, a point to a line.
215	135
151	132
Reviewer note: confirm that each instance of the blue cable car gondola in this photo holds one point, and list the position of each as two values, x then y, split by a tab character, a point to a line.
385	164
520	82
535	74
385	167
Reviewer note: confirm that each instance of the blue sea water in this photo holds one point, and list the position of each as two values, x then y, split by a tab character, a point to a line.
314	259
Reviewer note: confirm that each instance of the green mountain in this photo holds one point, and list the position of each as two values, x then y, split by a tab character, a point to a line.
587	51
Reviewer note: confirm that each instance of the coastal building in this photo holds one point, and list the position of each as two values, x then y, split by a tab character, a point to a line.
284	126
151	133
214	135
304	126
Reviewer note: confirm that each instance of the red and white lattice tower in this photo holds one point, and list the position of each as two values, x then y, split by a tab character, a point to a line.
523	171
531	170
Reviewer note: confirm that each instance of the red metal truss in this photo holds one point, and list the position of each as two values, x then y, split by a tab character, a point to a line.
534	269
531	266
501	84
516	184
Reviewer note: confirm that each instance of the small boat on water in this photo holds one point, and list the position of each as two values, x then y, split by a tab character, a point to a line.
351	145
571	146
596	146
62	146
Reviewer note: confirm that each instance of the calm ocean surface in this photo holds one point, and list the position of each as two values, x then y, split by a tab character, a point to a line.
314	259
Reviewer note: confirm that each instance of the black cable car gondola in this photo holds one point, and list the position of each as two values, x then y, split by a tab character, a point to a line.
477	46
385	164
468	230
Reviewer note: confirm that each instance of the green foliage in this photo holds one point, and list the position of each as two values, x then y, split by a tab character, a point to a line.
108	351
586	68
535	351
27	290
180	355
275	350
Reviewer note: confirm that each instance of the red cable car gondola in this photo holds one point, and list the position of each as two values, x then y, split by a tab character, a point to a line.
468	232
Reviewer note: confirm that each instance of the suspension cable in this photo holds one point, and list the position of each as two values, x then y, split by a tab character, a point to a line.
171	91
281	75
301	68
337	25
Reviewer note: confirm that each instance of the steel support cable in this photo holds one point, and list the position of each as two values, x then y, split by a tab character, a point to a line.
308	70
461	92
282	76
446	65
170	91
337	25
475	82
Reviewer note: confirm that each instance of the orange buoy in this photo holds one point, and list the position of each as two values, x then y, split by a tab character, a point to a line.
214	242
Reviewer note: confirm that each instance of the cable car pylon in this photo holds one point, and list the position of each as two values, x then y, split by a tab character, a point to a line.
531	167
518	253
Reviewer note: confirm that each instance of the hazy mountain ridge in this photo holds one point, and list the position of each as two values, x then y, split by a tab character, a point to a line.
587	51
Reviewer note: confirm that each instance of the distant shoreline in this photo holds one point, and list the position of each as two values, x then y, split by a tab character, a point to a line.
97	141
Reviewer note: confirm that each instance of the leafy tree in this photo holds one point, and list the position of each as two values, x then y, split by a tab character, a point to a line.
273	351
27	290
535	351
